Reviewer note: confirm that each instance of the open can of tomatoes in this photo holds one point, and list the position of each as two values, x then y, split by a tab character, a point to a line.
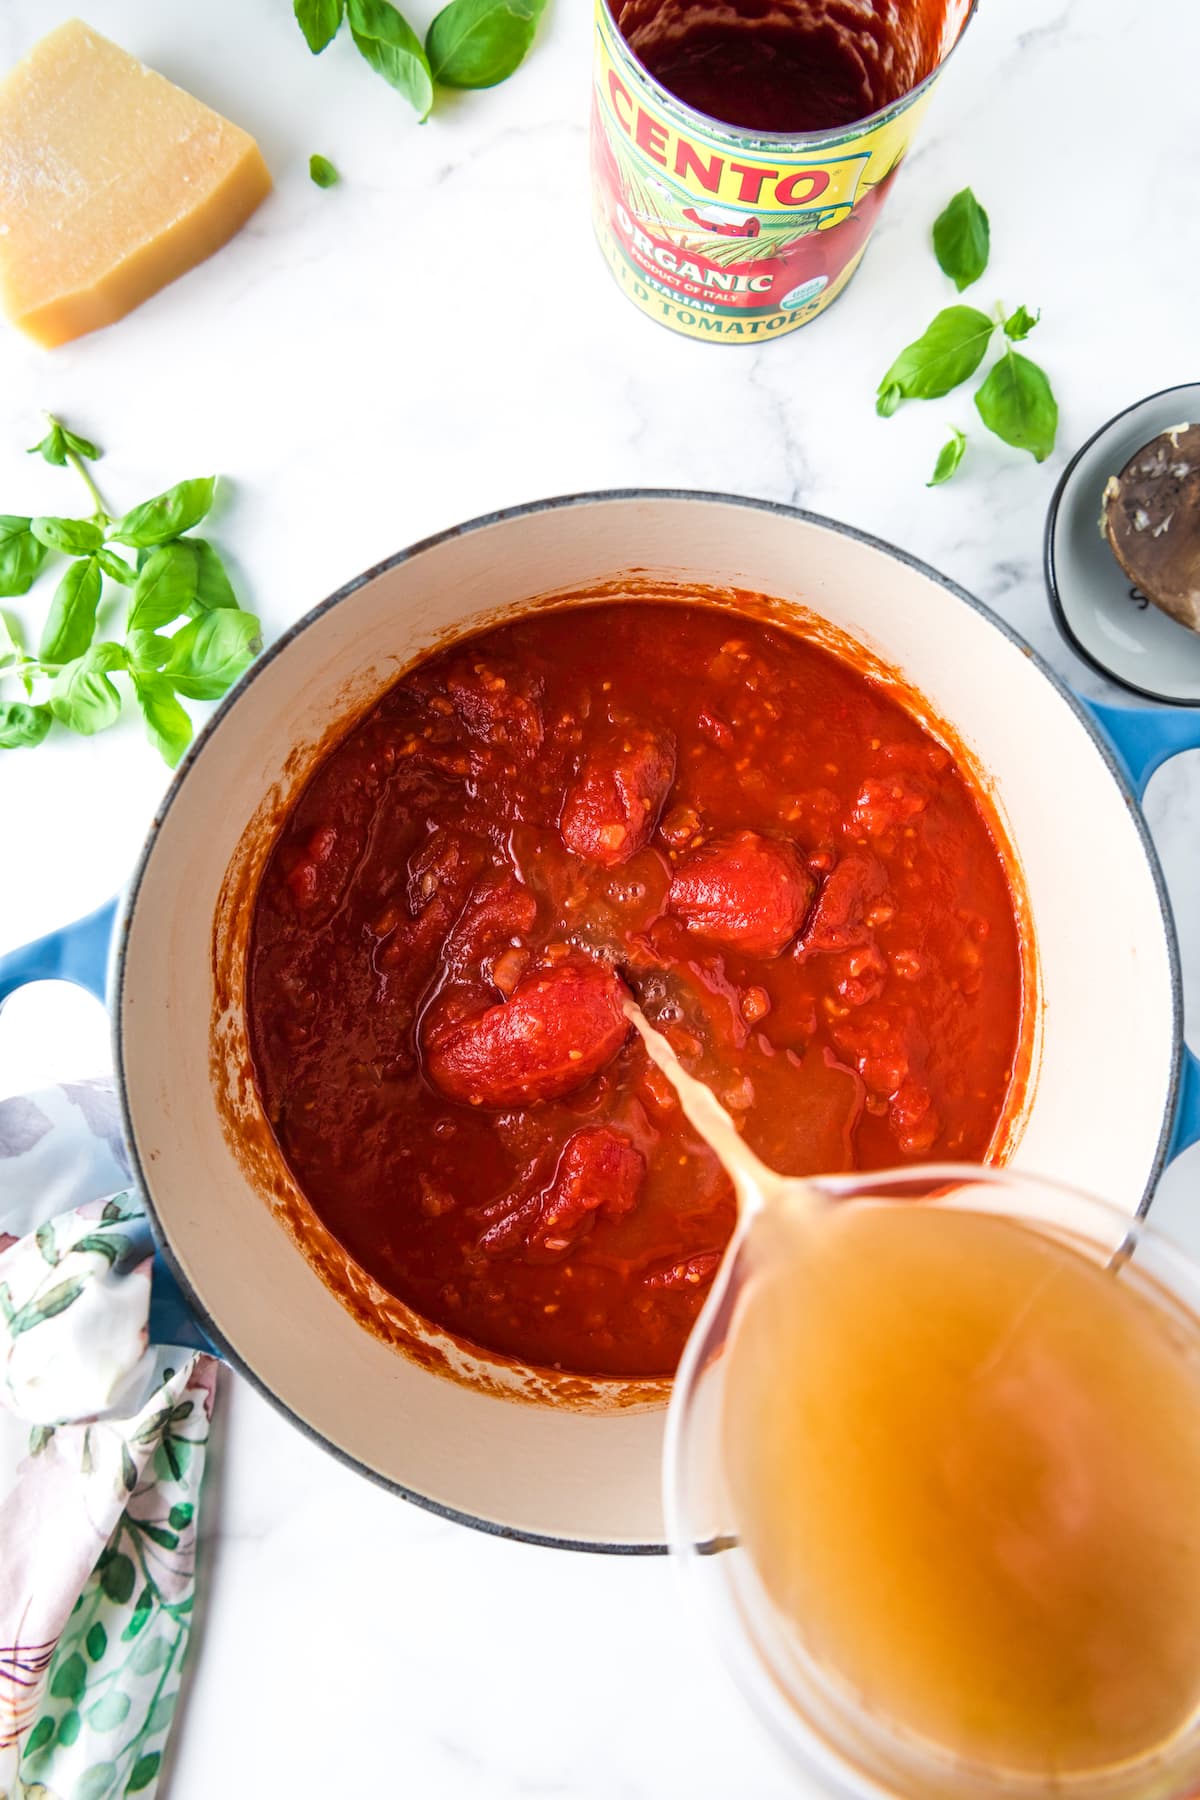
742	149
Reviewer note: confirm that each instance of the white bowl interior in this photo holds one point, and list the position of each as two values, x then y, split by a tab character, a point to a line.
1103	1041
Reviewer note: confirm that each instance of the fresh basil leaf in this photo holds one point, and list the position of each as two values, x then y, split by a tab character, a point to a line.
22	726
213	586
82	696
115	567
21	555
183	577
74	537
12	652
319	20
80	446
477	43
167	725
1019	324
53	446
322	171
946	353
949	457
71	622
388	42
10	644
165	588
58	441
147	651
962	240
1017	403
168	515
208	655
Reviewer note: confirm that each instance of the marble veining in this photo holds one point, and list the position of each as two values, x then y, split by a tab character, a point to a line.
434	338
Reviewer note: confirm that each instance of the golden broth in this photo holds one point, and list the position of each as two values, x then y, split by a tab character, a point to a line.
965	1462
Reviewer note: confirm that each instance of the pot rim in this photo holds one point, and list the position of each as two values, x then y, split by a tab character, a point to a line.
485	521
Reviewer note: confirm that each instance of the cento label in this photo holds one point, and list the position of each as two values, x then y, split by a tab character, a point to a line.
715	233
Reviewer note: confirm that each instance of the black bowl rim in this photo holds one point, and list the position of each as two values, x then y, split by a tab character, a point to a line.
483	522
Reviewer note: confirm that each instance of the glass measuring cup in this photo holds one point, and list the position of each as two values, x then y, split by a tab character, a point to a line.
828	1730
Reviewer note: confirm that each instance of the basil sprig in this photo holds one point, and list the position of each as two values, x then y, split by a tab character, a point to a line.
1015	399
470	44
174	580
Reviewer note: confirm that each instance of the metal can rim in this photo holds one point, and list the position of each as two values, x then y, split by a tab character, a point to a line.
721	128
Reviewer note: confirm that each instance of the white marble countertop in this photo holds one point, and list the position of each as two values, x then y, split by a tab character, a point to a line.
370	364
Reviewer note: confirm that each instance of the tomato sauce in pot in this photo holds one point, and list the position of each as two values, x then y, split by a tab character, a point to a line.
748	834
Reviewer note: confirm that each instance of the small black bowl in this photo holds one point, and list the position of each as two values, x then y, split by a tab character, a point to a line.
1103	618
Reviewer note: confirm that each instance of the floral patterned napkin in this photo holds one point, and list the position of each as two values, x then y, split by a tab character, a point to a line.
103	1438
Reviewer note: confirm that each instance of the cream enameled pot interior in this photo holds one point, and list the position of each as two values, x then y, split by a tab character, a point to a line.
1104	1032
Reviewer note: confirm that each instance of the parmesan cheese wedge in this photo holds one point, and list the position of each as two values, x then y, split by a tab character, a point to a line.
112	182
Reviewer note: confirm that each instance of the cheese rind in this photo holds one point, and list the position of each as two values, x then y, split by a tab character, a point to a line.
113	182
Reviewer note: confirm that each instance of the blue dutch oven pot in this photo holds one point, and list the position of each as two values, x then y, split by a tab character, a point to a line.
1114	1091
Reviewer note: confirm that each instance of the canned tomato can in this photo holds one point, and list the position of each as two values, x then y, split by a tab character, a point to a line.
737	232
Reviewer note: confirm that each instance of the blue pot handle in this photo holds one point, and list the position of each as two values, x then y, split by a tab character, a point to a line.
80	953
1143	739
77	953
1187	1111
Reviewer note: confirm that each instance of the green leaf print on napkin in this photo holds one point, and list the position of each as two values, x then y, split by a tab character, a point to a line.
115	1674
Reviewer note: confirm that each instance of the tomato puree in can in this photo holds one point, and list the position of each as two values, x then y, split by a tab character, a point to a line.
742	149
